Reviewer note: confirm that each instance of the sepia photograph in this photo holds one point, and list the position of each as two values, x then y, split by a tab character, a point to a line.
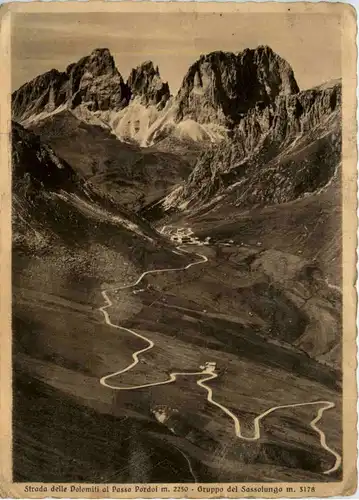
178	268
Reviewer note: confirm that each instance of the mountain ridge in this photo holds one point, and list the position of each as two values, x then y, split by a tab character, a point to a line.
216	92
247	104
93	81
228	84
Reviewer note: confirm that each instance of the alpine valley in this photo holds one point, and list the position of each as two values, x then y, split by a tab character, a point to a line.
177	274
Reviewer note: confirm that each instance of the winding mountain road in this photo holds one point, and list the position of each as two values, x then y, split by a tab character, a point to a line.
103	380
206	373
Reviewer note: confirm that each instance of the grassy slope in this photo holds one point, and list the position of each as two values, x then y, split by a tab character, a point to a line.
191	320
310	227
296	244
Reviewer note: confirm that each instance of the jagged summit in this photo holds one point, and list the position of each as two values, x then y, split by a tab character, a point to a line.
99	62
44	92
222	86
96	83
93	81
145	82
217	92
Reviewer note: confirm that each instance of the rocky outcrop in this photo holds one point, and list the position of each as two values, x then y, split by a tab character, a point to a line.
145	82
93	82
222	87
300	113
44	93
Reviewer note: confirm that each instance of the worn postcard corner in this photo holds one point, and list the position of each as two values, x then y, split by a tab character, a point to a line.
178	238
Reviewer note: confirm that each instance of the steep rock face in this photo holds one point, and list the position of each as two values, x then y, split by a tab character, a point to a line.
145	82
44	93
222	86
276	154
93	82
298	114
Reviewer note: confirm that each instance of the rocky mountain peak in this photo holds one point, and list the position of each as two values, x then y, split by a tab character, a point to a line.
222	86
93	82
146	83
96	84
44	93
100	62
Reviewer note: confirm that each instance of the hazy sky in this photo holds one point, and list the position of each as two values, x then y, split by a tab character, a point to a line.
311	43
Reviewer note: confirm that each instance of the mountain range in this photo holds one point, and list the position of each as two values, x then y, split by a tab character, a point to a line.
247	103
217	90
112	178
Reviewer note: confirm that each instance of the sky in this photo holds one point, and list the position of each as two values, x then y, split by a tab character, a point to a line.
311	43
